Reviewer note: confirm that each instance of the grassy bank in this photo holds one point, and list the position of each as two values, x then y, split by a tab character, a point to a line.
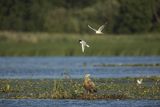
48	44
111	88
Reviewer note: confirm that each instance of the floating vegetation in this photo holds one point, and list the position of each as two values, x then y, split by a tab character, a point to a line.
107	88
114	65
6	88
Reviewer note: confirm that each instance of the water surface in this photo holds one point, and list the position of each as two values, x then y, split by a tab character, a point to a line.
76	67
77	103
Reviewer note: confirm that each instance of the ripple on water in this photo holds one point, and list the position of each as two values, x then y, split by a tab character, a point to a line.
76	67
77	103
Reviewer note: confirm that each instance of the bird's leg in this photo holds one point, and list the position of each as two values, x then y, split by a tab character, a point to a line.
88	92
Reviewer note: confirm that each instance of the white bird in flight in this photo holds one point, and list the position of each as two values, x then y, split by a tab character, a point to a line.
83	44
99	31
139	81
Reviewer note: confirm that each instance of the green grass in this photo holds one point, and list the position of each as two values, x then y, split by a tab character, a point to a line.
108	88
50	44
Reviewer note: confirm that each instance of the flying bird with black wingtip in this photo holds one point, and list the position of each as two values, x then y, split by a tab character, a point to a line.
83	44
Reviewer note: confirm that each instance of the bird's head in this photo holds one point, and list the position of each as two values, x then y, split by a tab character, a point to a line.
87	75
79	40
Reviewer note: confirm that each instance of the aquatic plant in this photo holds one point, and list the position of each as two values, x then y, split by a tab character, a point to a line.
6	88
108	88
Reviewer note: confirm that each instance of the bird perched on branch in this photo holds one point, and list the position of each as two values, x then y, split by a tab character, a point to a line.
88	84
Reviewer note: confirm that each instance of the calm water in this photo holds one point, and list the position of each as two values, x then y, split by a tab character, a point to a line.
78	103
76	67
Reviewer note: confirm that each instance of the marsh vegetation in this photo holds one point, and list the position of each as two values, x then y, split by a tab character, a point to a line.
108	88
50	44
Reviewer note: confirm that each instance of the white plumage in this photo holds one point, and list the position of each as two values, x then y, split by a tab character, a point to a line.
139	81
99	31
83	44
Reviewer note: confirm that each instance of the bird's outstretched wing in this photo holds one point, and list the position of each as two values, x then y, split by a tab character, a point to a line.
87	45
102	27
92	28
82	47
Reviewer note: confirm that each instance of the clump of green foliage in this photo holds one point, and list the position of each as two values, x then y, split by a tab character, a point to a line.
6	88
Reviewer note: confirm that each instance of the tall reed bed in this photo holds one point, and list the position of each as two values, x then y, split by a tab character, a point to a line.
51	44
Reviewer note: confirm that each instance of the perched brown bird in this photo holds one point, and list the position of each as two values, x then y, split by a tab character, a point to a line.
88	84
